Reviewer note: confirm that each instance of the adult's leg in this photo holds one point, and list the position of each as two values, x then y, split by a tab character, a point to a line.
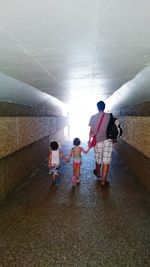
98	166
105	169
98	156
107	155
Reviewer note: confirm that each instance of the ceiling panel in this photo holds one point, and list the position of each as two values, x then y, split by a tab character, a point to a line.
63	47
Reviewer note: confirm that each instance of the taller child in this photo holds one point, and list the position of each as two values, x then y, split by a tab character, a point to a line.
77	159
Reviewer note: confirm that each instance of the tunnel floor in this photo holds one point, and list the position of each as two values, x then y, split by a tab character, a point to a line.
45	225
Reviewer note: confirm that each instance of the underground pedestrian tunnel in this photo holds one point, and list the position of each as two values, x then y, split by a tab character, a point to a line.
57	60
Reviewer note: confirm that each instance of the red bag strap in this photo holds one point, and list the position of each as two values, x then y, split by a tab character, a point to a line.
101	120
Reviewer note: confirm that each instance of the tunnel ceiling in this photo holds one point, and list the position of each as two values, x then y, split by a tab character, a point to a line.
70	48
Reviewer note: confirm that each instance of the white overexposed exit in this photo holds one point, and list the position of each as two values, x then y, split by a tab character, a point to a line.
80	111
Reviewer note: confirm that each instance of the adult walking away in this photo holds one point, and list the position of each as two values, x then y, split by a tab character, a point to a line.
104	146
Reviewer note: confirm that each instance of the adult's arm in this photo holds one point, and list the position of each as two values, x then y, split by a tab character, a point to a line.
90	134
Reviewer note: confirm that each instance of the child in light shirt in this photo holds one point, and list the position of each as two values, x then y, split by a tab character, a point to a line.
54	161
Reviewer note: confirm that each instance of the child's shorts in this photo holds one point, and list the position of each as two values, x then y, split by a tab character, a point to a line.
55	170
77	161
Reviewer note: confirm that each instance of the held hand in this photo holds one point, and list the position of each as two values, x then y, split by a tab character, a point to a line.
66	160
89	145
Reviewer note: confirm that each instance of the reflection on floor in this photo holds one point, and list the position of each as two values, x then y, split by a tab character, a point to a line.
43	225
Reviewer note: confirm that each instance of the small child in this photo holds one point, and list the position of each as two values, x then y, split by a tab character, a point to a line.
77	160
54	160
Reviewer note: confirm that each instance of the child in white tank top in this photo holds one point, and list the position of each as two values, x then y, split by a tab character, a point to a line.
54	160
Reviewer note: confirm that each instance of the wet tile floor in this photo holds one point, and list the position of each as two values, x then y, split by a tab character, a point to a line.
43	225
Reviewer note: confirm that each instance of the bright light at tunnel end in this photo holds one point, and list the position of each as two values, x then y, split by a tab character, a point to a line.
80	111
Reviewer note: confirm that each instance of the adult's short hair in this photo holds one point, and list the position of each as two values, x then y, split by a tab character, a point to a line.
101	105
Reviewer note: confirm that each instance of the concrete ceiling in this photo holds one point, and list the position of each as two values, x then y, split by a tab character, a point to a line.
72	48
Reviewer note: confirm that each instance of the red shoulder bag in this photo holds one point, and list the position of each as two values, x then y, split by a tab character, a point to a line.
93	141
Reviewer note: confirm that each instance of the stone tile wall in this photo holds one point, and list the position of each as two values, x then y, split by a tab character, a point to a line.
18	132
17	166
24	144
137	162
134	145
136	132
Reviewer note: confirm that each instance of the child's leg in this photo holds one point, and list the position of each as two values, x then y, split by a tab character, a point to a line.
74	169
57	175
77	171
51	173
53	178
74	179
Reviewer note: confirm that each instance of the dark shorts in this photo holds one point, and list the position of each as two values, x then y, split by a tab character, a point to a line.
55	170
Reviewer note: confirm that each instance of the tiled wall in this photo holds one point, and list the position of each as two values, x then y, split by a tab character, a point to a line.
17	166
25	134
136	132
134	145
18	132
24	144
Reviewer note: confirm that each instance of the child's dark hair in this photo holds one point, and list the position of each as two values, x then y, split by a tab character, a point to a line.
76	141
54	145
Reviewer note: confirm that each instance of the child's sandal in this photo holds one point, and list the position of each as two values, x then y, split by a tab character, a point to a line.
74	180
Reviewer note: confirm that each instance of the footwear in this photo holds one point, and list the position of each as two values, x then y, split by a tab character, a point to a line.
106	184
78	181
94	172
57	181
53	182
74	180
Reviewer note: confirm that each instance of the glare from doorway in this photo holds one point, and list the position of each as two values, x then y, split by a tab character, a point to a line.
79	116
